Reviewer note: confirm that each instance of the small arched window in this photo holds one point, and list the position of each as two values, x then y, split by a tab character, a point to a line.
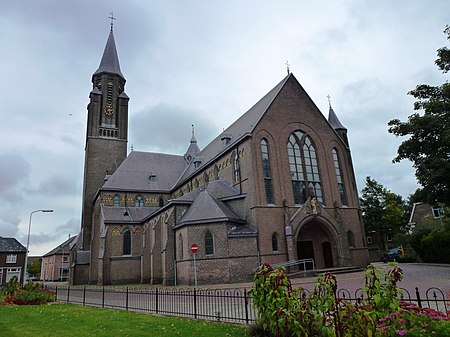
275	242
139	201
180	246
161	202
116	200
236	168
351	239
209	243
216	172
126	242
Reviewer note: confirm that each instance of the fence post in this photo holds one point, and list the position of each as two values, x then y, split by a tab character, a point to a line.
68	293
84	296
157	300
419	302
56	293
103	296
195	303
246	306
126	300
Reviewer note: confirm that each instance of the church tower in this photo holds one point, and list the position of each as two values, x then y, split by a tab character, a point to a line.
107	131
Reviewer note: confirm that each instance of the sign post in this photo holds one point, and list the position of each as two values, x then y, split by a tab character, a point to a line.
194	250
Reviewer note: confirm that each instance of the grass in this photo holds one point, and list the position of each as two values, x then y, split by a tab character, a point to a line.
71	320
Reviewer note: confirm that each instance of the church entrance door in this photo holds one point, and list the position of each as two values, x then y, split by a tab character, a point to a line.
305	250
327	255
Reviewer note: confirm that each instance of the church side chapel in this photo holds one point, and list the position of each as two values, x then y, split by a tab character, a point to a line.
277	185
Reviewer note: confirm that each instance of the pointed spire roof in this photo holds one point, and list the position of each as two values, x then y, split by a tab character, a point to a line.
334	120
193	149
110	59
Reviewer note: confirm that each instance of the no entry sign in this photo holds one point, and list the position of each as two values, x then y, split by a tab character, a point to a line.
194	248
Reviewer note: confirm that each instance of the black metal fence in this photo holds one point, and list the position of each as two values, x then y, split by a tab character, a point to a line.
231	305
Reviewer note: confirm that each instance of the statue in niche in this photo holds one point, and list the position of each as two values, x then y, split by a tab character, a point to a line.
313	203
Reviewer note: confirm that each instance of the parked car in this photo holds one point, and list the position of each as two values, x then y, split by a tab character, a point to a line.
391	255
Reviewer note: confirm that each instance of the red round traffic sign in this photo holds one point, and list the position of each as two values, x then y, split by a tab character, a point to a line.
194	248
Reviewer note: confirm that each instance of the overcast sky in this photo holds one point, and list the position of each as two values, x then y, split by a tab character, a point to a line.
202	63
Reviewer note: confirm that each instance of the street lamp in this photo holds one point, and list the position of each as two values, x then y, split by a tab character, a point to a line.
28	241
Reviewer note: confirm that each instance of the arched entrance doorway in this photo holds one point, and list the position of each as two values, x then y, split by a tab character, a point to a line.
315	241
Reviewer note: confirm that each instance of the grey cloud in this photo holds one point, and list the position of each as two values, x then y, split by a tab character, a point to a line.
168	129
14	173
56	186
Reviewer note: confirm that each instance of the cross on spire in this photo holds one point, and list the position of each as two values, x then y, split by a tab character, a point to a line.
112	19
329	100
287	67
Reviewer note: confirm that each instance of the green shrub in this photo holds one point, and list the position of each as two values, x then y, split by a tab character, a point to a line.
11	288
284	311
33	297
30	293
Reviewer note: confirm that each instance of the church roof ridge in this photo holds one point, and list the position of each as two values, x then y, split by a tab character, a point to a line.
110	59
239	129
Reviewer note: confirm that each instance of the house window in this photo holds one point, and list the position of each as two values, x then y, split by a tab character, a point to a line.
304	168
438	212
139	201
340	181
127	242
65	259
152	178
275	242
116	200
236	168
369	239
266	171
11	258
209	243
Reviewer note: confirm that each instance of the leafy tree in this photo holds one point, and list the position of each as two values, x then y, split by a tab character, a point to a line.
34	268
428	145
383	211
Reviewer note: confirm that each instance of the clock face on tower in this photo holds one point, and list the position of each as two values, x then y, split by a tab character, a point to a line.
109	110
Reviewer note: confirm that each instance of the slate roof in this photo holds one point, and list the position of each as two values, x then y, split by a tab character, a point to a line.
238	130
334	120
113	214
63	248
11	245
206	209
110	60
134	172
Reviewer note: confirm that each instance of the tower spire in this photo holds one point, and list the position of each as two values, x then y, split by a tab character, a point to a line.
110	59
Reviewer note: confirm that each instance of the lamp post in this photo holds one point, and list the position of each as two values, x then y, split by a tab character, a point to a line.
28	241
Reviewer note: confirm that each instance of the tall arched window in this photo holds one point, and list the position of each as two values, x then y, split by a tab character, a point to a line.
116	200
209	243
126	242
340	181
236	168
139	201
304	167
266	171
275	242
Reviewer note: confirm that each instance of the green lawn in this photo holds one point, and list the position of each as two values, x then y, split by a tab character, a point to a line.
71	320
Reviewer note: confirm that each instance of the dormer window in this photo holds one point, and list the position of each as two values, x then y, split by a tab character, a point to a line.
226	138
152	178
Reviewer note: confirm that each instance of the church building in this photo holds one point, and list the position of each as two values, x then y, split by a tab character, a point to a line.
277	185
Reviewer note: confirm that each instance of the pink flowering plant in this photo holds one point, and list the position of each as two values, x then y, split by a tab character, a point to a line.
379	312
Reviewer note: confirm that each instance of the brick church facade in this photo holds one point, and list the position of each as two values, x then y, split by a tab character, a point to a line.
277	185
